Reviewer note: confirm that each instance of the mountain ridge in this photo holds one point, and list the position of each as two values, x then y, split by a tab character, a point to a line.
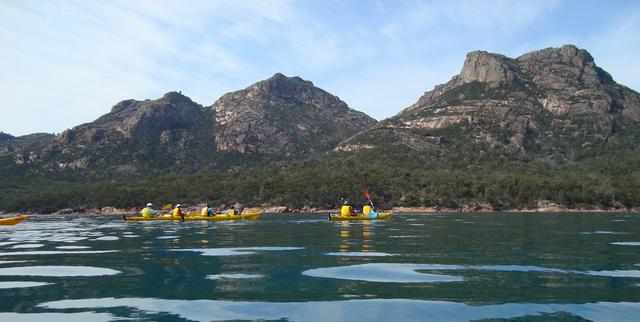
271	119
518	108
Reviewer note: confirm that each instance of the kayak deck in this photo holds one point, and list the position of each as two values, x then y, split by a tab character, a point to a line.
380	215
13	220
247	216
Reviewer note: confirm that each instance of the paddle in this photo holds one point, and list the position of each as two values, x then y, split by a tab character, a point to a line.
366	194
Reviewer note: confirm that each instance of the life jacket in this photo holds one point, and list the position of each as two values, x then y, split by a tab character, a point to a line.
345	210
366	209
146	212
177	212
204	212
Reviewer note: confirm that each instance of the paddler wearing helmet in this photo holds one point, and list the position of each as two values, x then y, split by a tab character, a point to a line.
148	212
177	212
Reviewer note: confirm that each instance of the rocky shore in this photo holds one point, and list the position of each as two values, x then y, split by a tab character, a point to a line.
547	208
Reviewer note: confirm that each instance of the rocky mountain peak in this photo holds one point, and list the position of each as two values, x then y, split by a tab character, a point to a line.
176	98
281	86
136	119
494	69
551	102
284	114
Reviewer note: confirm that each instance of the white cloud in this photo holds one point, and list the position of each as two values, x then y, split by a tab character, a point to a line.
68	62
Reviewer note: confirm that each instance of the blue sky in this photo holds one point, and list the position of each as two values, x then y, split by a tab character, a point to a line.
65	63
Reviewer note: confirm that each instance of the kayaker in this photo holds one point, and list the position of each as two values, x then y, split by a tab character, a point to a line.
367	209
177	212
148	212
347	210
206	211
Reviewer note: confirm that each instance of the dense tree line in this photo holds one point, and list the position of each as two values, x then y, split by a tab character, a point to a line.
402	180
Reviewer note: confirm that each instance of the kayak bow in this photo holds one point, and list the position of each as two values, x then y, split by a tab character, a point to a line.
13	220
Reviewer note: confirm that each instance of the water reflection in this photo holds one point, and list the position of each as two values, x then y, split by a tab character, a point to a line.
233	276
351	310
387	272
236	251
57	271
14	284
57	252
57	317
626	243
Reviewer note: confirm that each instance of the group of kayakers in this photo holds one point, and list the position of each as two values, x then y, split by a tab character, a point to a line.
206	211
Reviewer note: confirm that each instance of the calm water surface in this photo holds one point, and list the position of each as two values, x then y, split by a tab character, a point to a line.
415	267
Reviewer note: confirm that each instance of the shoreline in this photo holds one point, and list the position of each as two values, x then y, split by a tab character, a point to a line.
112	211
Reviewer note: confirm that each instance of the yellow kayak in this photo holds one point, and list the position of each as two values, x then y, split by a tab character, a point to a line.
13	220
247	216
371	216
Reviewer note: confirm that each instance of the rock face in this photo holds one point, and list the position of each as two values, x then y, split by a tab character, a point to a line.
275	118
132	137
9	144
553	103
284	115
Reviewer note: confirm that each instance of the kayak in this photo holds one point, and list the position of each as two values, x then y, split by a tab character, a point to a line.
371	216
13	220
247	216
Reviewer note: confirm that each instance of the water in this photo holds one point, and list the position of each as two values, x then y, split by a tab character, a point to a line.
415	267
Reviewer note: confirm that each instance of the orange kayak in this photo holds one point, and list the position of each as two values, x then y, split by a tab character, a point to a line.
13	220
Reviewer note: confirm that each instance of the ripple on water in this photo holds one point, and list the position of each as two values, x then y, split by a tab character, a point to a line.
107	238
351	310
27	246
603	232
409	273
14	284
56	317
234	251
360	254
11	262
168	237
57	271
73	247
387	272
56	252
405	236
626	243
233	276
616	273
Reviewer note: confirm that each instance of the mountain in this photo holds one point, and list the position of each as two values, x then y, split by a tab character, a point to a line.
10	144
277	118
551	105
284	116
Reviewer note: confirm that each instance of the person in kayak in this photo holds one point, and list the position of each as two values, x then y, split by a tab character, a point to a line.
148	212
177	212
367	209
347	210
206	211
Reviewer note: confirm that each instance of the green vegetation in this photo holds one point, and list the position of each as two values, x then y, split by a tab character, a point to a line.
396	178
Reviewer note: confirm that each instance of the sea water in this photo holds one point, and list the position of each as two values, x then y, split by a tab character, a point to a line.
302	267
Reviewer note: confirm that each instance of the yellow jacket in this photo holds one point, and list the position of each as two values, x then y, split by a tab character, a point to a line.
345	210
146	212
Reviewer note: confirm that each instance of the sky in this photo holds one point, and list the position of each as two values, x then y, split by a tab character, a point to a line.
64	63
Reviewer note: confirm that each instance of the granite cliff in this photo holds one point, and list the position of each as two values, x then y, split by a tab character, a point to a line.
554	104
281	117
284	115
